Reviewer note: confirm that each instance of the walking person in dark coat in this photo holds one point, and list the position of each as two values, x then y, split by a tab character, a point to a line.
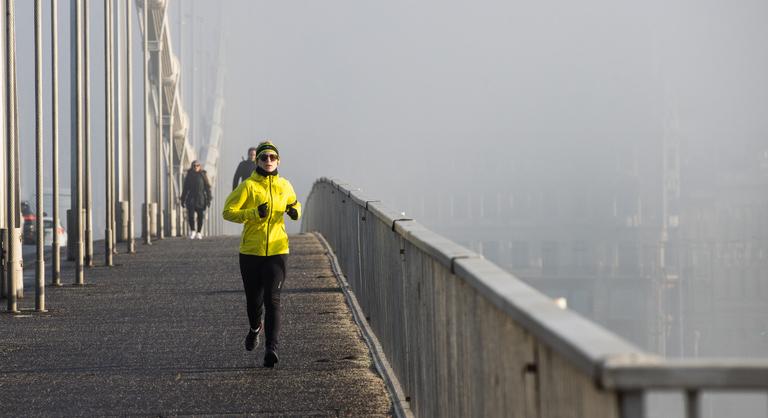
245	168
196	197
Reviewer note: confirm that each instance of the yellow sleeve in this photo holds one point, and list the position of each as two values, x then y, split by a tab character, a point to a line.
233	206
292	199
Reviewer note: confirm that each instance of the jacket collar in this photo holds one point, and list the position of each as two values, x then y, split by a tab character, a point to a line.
259	172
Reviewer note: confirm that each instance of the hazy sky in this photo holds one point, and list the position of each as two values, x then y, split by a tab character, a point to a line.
398	94
438	94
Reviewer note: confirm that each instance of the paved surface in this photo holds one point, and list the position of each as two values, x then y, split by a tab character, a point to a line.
161	333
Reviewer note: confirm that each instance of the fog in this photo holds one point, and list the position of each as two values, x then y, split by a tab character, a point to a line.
539	128
562	140
391	97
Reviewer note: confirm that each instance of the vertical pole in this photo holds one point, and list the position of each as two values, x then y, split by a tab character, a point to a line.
17	174
71	220
192	135
87	183
180	186
173	193
209	211
147	150
40	224
55	245
107	133
3	176
159	143
12	214
177	168
129	126
78	114
169	170
116	97
117	161
110	34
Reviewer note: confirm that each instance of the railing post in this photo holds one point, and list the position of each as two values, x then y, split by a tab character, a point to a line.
692	403
632	404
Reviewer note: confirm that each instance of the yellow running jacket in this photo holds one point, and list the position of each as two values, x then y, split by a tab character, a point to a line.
262	236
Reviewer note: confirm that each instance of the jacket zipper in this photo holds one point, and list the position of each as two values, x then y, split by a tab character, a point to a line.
269	218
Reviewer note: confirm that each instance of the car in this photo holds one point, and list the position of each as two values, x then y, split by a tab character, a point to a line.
28	218
29	227
48	232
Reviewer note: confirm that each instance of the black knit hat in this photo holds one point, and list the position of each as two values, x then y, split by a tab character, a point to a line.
266	146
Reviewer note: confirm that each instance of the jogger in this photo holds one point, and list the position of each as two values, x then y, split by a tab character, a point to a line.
259	203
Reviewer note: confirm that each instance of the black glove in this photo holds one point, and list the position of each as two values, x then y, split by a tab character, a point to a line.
292	212
263	209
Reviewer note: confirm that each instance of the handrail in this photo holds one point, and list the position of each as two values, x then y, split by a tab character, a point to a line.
696	373
609	362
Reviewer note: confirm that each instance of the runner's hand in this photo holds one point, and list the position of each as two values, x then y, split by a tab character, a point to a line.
263	209
292	212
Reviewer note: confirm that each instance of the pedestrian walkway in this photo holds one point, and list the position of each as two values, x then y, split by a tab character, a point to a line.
161	333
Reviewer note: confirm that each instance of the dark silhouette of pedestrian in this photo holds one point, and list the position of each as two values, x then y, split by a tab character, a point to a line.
196	197
245	168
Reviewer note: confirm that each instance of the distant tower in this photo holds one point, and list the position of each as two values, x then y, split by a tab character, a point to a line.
670	282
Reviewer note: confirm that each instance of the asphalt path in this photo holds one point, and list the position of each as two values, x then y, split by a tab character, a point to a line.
161	333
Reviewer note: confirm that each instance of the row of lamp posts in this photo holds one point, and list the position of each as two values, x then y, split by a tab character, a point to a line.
80	244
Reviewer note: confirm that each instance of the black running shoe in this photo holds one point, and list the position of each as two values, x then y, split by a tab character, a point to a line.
252	339
270	358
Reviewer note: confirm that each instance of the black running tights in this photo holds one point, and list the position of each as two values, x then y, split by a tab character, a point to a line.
263	278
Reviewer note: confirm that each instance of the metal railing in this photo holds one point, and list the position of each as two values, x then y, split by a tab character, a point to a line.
465	338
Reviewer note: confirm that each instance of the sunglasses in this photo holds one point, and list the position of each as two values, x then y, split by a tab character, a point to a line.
268	157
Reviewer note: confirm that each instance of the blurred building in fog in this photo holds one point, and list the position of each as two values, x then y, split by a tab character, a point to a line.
655	238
